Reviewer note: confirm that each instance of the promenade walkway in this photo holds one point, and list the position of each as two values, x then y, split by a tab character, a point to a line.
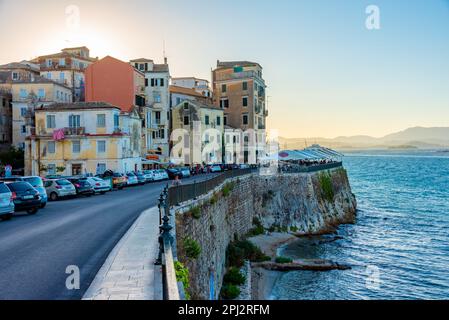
129	272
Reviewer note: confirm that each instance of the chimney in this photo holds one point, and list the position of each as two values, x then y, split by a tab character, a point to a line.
165	60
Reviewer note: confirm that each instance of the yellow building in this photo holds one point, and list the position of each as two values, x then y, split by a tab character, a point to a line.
82	138
197	133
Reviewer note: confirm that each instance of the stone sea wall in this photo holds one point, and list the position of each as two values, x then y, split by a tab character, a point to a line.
305	203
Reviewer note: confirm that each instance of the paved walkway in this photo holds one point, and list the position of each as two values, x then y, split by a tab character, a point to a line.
129	272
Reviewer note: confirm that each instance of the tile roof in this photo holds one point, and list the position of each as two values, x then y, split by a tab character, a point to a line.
231	64
141	60
200	105
186	91
77	106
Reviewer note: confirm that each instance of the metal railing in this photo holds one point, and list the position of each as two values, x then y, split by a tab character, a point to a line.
182	193
166	257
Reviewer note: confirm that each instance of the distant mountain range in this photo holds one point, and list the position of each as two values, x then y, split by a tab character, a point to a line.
411	138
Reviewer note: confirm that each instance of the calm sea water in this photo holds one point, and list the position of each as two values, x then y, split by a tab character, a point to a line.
399	247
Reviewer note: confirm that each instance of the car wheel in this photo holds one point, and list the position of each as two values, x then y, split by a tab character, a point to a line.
6	217
32	211
53	196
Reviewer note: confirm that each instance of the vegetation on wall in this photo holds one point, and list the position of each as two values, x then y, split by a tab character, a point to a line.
195	212
239	251
258	228
283	260
182	275
191	248
227	189
325	181
230	291
234	276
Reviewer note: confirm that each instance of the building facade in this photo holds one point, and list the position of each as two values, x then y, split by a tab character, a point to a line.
5	119
81	138
200	128
29	91
239	90
201	86
157	113
67	68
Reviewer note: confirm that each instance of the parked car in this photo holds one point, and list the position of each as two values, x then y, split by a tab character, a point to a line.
149	175
6	202
215	168
173	173
99	185
82	186
59	188
119	181
185	171
244	166
25	197
162	174
35	181
141	178
132	179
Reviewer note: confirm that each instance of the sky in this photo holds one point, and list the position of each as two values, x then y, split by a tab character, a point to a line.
327	74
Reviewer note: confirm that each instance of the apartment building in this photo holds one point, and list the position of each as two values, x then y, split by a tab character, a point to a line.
29	91
157	114
239	90
83	137
67	68
201	127
201	86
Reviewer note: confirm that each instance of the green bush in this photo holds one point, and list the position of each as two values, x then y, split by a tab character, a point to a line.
283	260
182	275
213	199
230	292
326	186
239	251
192	248
294	229
258	228
228	187
234	276
195	212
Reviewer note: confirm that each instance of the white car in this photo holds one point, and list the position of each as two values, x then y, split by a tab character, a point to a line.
100	186
149	175
163	174
215	168
132	179
6	202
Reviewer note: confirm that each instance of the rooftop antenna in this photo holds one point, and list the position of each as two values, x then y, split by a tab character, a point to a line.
165	56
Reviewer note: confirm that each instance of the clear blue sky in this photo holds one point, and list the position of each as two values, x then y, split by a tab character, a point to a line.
327	74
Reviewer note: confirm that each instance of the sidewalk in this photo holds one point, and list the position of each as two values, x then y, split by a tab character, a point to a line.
129	272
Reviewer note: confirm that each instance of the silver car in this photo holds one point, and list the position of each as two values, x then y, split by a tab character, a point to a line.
100	186
59	188
6	202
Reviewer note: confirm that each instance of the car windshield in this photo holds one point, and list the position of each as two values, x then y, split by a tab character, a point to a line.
20	186
97	179
63	182
34	181
117	175
4	188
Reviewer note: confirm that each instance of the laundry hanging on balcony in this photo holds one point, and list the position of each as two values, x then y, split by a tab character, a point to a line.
58	134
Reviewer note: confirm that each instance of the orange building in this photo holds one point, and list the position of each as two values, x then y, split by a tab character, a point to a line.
116	82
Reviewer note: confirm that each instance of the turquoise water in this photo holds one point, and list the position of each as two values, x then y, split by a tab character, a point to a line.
399	247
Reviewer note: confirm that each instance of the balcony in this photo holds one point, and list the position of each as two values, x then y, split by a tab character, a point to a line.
237	75
78	131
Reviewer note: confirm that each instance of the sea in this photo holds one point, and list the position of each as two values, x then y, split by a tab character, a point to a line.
398	249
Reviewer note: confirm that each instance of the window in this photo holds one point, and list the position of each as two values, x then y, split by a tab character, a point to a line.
218	121
41	93
61	77
186	106
51	147
245	101
15	76
157	97
245	119
51	122
101	120
51	168
23	93
162	133
23	112
152	82
76	146
62	62
186	120
116	121
178	100
49	63
141	67
225	120
161	83
101	146
224	103
158	117
74	121
245	86
206	120
223	88
146	82
48	75
24	129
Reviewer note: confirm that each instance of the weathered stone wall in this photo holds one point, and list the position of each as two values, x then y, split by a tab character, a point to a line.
281	201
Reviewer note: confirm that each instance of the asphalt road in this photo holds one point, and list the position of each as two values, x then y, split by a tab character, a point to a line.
36	250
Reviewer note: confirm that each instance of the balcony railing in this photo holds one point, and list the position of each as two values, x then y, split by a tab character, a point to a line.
237	75
76	131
